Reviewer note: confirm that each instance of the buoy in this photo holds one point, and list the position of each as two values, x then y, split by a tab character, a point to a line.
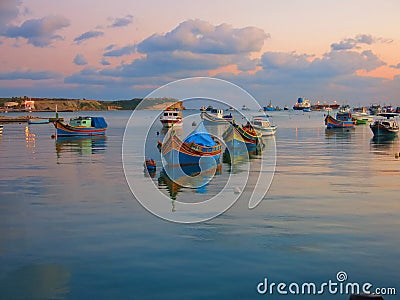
158	133
397	155
53	136
236	190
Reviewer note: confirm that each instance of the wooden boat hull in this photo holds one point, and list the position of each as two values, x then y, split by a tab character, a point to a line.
381	131
176	152
235	136
67	130
332	123
170	123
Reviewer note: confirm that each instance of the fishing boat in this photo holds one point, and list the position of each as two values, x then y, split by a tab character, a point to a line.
171	117
150	165
302	104
263	125
38	121
236	135
362	118
81	126
343	120
385	127
199	147
215	116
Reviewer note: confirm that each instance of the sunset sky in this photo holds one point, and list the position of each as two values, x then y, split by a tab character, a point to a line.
347	51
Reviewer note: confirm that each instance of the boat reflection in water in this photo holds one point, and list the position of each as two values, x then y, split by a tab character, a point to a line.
384	145
338	133
196	177
82	145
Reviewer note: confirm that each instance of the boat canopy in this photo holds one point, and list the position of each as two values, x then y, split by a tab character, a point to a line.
99	122
201	137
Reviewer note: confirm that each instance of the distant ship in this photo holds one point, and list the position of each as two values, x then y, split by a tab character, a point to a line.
302	104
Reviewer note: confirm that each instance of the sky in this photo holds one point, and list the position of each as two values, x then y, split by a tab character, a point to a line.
348	51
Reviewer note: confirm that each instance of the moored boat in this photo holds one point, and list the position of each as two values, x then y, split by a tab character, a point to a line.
236	135
343	120
215	116
269	107
81	126
385	127
263	125
38	121
199	147
171	117
302	104
362	118
244	107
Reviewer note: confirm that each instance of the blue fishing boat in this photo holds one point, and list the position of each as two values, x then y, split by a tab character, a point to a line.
199	147
343	119
81	126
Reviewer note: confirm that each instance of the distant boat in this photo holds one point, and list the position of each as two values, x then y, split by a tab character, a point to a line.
385	127
375	109
198	145
343	120
215	116
263	125
269	107
302	104
38	121
286	107
81	126
244	107
171	117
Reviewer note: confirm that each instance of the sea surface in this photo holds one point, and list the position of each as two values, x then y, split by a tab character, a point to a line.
70	227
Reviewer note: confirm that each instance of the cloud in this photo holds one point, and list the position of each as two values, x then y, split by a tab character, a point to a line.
9	10
109	47
88	35
395	66
39	32
121	22
80	60
104	62
129	49
354	43
31	75
199	36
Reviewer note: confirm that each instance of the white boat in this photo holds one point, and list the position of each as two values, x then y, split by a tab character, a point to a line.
362	118
171	117
244	107
215	116
385	128
263	125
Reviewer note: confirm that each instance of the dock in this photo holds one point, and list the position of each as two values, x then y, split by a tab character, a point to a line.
23	119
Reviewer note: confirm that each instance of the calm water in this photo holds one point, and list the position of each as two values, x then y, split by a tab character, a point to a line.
71	229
